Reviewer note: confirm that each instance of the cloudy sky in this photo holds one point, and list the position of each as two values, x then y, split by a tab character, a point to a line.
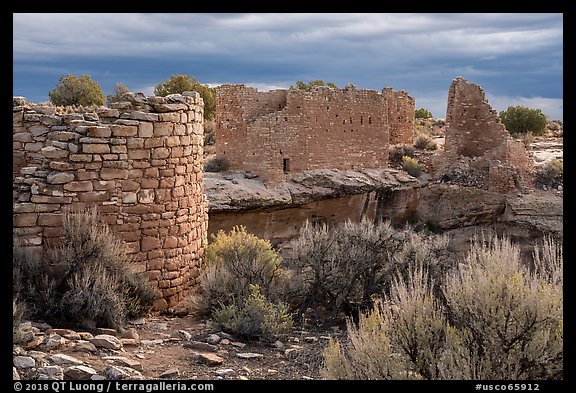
516	58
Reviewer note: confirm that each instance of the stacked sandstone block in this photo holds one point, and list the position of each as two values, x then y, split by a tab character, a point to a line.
139	162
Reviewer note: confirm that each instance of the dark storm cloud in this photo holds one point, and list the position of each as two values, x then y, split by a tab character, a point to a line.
514	56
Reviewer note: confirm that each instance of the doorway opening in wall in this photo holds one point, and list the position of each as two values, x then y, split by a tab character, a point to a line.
286	165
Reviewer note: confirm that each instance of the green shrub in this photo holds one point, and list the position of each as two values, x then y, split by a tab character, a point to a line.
422	113
424	142
255	318
495	320
399	151
78	91
234	262
92	279
412	166
551	174
217	164
345	267
519	119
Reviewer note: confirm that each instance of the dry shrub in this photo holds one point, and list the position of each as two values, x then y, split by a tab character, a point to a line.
551	174
506	323
217	164
257	317
345	267
399	151
94	281
424	142
498	321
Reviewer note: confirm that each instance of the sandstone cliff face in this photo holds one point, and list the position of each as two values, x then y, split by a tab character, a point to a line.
277	212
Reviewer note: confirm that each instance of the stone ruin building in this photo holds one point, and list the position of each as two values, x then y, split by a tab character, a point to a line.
271	134
474	133
140	165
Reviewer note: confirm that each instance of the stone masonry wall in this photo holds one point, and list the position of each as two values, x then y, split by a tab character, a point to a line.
140	164
284	131
473	129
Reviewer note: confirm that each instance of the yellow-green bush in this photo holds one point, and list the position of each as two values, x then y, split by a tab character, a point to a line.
234	261
412	166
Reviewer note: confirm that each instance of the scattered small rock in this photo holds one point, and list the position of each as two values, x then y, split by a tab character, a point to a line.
85	346
224	372
272	371
41	325
130	342
170	373
106	341
225	341
24	362
73	337
119	372
184	335
97	377
34	343
292	352
50	373
311	339
213	339
158	325
122	361
324	338
277	344
137	321
243	378
79	372
238	344
60	359
15	375
131	333
106	331
26	336
209	359
60	332
200	346
86	335
140	356
225	335
152	342
293	339
307	377
249	355
54	341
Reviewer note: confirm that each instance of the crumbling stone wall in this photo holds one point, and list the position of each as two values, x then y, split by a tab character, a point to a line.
284	131
139	163
474	130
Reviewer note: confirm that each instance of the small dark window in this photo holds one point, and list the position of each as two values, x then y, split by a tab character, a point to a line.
361	120
369	119
286	165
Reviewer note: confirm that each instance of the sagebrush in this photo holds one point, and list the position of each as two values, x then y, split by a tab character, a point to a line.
347	266
424	142
90	280
399	151
217	164
256	317
494	319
